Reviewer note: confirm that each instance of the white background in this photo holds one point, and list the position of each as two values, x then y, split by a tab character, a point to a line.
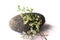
49	8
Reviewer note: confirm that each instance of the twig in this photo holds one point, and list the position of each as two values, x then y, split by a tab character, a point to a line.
43	35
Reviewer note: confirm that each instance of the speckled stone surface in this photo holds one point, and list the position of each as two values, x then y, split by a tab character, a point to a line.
16	23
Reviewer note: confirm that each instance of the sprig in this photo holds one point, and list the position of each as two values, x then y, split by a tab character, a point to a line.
25	9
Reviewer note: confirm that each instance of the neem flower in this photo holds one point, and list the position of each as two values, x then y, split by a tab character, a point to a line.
27	23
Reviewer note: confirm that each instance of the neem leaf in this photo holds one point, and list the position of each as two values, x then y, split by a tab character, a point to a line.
31	10
19	8
25	9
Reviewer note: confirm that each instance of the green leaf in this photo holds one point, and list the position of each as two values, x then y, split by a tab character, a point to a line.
19	8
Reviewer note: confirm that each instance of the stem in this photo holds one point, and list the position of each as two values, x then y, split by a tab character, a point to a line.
43	35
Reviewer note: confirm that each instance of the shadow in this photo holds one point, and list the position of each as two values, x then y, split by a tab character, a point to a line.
46	27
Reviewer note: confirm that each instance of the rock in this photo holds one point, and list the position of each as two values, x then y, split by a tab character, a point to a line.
16	23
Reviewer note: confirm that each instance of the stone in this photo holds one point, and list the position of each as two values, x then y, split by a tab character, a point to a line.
16	23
